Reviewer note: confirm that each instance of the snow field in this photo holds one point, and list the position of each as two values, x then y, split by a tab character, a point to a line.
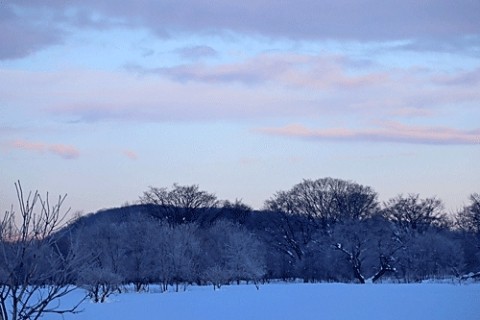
293	301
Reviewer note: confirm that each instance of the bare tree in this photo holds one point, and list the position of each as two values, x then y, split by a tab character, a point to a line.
289	231
326	201
236	211
181	204
369	247
427	255
411	213
34	271
468	220
314	206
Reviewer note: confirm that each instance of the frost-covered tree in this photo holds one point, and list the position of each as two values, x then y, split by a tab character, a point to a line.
177	255
232	253
139	251
101	273
35	272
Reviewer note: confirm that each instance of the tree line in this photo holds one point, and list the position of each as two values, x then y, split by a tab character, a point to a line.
319	230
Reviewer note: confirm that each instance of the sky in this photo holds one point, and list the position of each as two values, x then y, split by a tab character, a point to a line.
100	99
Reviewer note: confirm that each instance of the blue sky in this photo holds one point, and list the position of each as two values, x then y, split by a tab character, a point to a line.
101	99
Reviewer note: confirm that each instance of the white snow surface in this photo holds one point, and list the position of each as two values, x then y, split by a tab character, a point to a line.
292	301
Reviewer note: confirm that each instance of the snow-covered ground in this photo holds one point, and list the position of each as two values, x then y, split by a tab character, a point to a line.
294	301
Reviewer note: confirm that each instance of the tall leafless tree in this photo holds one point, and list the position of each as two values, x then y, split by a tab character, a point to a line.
412	213
181	204
469	218
326	201
314	206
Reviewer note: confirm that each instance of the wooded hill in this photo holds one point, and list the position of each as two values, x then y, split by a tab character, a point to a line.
319	230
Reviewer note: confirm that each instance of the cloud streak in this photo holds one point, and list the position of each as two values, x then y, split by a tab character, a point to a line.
101	96
61	150
390	132
332	85
296	70
466	78
196	52
264	86
335	82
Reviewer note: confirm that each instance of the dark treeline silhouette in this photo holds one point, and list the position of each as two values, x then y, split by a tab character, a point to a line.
319	230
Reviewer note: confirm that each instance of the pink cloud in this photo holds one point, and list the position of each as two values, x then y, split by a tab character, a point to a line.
29	146
130	154
389	132
64	151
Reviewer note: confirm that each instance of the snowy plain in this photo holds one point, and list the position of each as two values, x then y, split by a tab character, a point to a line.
435	301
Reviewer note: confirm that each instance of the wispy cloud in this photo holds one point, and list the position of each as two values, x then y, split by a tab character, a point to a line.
468	44
370	157
462	78
298	70
333	82
196	52
390	132
97	96
61	150
267	85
